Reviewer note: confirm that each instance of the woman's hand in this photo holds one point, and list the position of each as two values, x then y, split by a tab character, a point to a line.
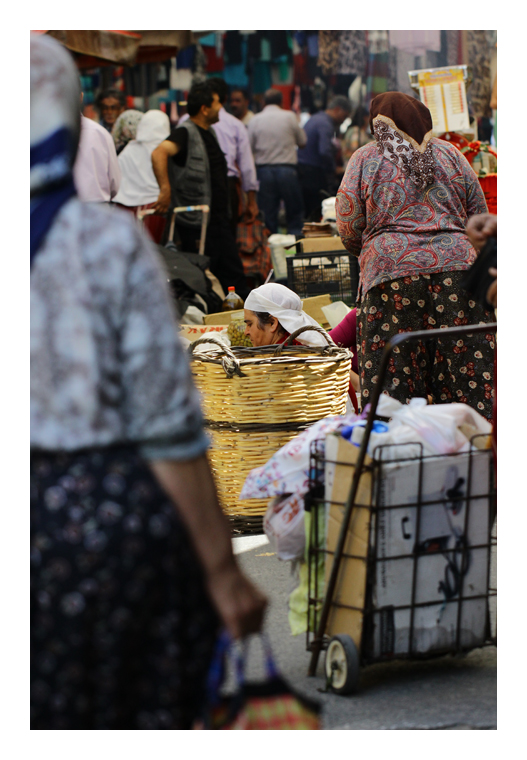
239	603
190	485
481	227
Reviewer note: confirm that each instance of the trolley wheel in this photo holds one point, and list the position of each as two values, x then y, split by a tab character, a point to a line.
342	664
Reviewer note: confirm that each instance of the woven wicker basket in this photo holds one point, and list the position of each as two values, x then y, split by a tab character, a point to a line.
255	400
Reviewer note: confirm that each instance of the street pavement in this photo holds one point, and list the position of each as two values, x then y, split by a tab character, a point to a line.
449	693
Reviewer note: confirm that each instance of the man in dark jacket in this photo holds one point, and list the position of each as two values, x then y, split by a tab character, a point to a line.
316	161
191	170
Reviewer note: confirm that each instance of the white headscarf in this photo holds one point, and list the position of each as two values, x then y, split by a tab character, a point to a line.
138	184
286	306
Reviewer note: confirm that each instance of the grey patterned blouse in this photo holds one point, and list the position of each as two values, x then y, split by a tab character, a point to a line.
107	366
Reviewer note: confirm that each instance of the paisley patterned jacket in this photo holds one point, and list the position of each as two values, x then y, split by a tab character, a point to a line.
397	229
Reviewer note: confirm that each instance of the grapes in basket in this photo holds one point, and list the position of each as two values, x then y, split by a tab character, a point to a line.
236	334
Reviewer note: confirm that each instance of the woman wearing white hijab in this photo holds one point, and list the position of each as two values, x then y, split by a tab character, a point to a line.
272	312
139	189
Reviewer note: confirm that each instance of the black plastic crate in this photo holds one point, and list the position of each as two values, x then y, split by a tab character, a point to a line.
333	272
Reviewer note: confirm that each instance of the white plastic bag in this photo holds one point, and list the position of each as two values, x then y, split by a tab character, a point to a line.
284	526
437	425
439	428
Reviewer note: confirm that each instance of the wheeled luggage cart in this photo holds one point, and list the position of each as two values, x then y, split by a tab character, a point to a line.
424	564
178	210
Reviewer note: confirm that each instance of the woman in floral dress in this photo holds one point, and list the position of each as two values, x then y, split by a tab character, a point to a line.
402	208
132	567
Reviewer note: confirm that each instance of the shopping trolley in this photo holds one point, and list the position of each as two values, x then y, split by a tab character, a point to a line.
178	210
406	579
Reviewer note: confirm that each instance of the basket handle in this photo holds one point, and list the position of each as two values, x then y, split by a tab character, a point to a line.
229	362
287	342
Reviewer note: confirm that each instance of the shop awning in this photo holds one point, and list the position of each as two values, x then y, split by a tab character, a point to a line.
123	47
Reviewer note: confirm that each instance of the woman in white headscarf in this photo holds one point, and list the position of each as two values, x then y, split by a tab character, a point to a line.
132	566
125	128
139	189
272	312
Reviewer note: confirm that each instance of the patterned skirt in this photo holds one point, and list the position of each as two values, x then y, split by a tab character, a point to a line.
122	629
448	369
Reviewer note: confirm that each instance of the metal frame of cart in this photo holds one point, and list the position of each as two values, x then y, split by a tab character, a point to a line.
343	657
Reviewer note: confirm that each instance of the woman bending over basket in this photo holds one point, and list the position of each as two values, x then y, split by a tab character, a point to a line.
402	208
272	312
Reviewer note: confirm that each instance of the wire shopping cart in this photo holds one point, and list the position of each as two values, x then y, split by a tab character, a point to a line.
406	545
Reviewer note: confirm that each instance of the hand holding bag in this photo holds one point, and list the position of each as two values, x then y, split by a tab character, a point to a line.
268	705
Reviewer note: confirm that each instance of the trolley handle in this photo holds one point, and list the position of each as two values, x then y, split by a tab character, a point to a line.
180	209
176	210
392	343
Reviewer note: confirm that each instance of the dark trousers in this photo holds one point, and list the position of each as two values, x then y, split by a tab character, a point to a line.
234	202
280	182
313	179
220	247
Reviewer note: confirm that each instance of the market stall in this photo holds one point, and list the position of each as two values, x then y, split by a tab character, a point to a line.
444	92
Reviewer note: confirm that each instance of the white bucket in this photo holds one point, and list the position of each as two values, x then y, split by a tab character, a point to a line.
279	253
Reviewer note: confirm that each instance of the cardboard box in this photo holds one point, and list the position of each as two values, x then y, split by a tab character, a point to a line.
222	317
314	245
444	490
438	575
351	583
193	332
312	306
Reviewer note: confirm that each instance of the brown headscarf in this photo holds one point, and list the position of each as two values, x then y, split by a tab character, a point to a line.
403	129
407	113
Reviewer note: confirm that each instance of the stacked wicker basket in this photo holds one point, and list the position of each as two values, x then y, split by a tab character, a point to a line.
257	399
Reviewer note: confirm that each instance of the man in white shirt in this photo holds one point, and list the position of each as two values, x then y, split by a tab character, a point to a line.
96	170
274	135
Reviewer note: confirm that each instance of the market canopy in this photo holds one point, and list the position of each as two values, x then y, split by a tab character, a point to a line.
123	47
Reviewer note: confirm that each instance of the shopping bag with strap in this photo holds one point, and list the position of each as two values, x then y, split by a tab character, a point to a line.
269	705
251	240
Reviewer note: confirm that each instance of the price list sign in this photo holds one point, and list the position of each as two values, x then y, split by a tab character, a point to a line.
443	92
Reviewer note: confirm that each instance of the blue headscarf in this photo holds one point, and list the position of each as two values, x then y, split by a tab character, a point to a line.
55	121
53	155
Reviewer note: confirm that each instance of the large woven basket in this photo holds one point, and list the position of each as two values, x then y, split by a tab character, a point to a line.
257	399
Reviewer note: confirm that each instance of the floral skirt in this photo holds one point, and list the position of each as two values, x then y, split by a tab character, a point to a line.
122	629
448	369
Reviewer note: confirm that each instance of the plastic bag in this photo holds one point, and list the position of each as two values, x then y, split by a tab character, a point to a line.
439	428
309	585
438	425
288	470
269	705
284	526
